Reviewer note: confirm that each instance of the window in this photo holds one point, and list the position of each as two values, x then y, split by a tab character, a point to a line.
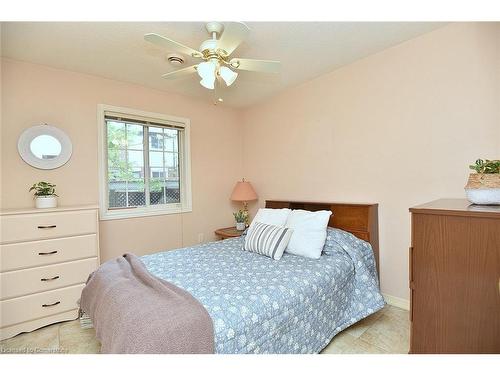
144	163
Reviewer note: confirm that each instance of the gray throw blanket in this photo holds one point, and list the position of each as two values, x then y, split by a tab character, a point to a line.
135	312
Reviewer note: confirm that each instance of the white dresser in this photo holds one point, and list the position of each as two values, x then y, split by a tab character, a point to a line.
45	258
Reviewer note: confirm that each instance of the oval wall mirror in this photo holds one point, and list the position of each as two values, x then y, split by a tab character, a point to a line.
44	147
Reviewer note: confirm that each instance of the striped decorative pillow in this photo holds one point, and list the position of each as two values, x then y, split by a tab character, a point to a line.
268	240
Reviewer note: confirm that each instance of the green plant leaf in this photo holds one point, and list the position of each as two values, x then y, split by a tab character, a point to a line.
43	188
486	166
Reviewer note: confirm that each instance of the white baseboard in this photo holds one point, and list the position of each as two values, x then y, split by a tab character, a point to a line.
397	302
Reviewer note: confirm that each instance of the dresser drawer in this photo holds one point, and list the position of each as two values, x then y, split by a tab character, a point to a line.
39	253
39	305
16	228
40	279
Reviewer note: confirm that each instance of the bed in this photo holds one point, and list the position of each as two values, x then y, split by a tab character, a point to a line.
294	305
291	305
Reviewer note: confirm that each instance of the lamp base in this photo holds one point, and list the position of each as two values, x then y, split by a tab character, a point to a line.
245	210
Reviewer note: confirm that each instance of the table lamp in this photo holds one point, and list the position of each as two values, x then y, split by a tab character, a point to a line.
244	192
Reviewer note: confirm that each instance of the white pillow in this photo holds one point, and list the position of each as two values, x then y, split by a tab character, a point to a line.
309	232
272	216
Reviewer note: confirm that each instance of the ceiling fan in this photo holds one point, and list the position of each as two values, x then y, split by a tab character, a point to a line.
217	66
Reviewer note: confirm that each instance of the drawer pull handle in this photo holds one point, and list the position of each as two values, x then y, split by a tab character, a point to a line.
49	253
51	304
46	226
50	278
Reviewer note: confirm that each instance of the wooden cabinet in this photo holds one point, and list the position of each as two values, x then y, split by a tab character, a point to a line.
46	256
455	278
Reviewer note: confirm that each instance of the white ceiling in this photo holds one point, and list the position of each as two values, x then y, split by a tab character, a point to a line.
118	51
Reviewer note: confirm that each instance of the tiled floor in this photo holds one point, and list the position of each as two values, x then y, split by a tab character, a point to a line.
386	331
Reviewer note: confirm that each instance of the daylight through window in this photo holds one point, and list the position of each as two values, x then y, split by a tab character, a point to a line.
144	164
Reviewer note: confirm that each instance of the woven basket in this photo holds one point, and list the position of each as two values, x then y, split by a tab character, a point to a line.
483	181
483	188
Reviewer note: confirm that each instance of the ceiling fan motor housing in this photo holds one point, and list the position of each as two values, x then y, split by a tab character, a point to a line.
209	45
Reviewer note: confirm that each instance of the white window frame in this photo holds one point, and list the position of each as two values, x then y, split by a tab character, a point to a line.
185	204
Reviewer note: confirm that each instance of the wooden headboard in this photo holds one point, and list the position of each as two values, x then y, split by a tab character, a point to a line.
361	219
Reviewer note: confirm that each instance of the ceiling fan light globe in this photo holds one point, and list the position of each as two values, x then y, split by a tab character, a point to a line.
228	75
208	83
206	70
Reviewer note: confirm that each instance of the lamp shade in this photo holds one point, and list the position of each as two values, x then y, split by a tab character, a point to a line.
243	192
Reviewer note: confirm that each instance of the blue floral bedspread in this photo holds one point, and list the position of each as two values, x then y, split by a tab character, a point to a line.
261	305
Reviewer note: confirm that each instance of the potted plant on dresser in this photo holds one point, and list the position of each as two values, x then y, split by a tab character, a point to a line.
483	186
44	194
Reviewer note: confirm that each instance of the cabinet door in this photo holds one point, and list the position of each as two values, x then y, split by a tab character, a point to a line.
456	270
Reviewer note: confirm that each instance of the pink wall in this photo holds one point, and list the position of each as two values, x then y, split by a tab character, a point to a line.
397	128
34	94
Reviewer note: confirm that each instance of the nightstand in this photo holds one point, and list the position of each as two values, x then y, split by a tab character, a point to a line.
230	232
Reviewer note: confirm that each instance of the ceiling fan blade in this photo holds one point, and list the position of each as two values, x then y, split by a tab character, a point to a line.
171	45
266	66
234	33
180	73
